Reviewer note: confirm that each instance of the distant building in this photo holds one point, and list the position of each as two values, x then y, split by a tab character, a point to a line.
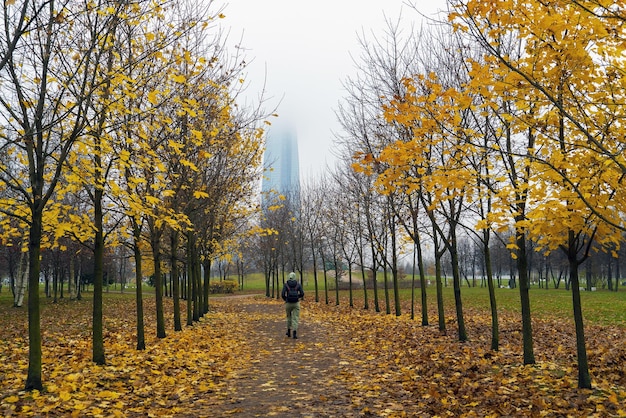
280	161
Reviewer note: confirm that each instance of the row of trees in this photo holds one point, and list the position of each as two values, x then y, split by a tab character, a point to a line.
499	126
503	122
120	128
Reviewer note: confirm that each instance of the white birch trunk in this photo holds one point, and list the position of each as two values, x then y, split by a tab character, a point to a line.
70	288
21	281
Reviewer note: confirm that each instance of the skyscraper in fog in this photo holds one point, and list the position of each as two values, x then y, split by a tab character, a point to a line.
280	160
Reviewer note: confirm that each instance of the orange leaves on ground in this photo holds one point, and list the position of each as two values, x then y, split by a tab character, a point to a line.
184	370
348	362
396	360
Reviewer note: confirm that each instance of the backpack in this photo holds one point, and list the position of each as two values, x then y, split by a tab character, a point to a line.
292	292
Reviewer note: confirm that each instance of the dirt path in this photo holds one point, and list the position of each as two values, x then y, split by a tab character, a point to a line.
284	377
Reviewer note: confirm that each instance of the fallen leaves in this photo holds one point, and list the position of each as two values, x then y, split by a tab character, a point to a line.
348	362
440	376
184	370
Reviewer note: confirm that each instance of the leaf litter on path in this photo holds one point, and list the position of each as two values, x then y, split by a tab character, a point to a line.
347	362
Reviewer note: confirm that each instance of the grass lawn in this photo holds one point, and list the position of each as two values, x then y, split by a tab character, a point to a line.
601	307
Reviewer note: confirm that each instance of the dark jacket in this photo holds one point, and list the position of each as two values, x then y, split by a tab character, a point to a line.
286	290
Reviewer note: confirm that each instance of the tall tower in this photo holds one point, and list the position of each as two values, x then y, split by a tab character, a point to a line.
280	161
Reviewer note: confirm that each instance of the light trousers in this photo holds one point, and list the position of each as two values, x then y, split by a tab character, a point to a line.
293	315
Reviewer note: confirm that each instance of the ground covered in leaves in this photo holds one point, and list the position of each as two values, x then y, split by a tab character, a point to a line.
347	363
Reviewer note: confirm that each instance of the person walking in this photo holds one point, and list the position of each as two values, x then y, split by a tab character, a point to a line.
291	294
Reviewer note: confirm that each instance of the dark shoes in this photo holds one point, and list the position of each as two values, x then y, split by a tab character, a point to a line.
294	335
288	334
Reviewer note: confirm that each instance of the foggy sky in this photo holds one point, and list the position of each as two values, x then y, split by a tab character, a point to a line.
302	51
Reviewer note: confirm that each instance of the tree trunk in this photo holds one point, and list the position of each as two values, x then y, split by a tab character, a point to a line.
394	275
326	285
33	378
456	281
46	279
207	282
21	282
350	284
618	274
72	273
366	304
337	275
386	286
79	284
420	267
495	330
413	282
189	278
174	239
267	270
194	287
375	279
584	379
98	277
325	276
141	341
55	285
441	314
158	282
61	275
315	283
524	289
197	306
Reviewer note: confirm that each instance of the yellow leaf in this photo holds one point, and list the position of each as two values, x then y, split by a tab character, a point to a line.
72	377
65	396
189	164
12	399
152	200
179	78
79	406
197	134
199	195
152	97
175	145
108	394
190	112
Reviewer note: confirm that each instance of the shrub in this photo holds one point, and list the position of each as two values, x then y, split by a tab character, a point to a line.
223	286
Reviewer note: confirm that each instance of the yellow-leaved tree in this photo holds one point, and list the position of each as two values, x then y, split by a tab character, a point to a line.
48	72
564	88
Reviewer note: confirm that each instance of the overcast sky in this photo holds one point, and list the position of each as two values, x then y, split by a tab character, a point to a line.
302	51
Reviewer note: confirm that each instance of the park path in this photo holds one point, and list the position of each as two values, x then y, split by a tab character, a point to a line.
285	377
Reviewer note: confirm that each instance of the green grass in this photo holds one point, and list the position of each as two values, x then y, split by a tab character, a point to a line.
601	307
